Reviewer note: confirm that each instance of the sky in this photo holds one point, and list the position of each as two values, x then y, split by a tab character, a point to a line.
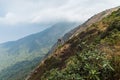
19	18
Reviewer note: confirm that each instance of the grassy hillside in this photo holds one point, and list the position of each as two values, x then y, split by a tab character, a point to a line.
93	54
24	52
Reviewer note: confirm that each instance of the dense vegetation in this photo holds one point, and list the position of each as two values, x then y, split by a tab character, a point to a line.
96	54
20	70
87	65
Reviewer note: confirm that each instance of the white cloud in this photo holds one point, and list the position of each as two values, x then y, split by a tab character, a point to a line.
36	11
10	18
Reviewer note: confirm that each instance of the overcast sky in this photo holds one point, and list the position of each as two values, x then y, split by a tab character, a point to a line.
19	18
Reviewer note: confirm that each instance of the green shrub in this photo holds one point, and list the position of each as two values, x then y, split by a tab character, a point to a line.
88	65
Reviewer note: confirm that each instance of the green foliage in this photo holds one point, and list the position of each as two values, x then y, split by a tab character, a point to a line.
108	29
110	18
112	38
112	34
87	65
116	65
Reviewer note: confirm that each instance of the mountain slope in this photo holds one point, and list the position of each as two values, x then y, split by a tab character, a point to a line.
82	27
29	48
81	57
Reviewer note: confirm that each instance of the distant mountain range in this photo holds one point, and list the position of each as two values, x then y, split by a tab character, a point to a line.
19	57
